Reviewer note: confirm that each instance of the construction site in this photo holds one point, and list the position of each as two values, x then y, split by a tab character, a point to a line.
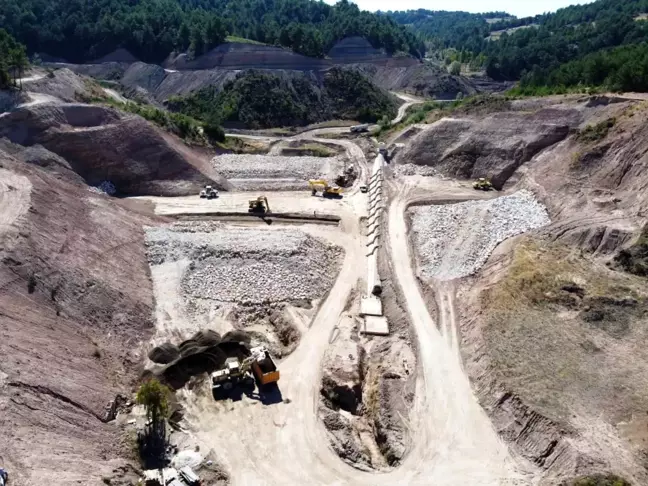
328	319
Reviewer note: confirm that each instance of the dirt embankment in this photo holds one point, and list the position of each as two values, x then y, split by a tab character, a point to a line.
76	298
552	328
180	75
103	144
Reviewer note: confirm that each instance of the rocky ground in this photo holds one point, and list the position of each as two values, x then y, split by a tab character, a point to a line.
455	240
276	172
260	280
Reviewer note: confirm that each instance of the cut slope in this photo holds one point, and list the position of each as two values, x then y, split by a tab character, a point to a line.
104	144
76	297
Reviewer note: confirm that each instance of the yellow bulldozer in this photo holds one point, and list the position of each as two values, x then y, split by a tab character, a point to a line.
327	190
260	205
482	184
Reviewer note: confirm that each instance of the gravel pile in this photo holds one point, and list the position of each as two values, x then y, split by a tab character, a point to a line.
455	240
246	265
253	172
413	169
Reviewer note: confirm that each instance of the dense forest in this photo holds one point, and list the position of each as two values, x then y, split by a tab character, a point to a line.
12	59
258	99
553	46
84	30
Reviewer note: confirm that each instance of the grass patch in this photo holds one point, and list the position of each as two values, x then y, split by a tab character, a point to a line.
598	480
242	146
634	260
596	132
243	40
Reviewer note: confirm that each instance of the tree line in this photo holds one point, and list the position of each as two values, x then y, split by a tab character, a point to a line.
13	60
551	48
85	30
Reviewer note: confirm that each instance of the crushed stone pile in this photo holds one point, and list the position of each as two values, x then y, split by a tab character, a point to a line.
246	265
455	240
276	172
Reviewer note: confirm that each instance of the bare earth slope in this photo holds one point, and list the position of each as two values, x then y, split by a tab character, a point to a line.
552	329
102	144
75	296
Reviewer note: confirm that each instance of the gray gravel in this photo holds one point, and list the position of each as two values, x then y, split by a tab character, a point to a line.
255	172
455	240
246	265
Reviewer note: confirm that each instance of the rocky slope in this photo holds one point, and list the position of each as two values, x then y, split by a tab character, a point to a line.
179	75
103	144
553	330
76	297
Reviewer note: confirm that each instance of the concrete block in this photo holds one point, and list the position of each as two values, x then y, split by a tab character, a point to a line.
371	306
375	325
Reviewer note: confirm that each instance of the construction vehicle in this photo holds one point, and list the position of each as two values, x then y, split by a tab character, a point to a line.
359	128
364	189
233	374
208	193
264	368
4	477
382	150
259	205
238	373
325	187
482	184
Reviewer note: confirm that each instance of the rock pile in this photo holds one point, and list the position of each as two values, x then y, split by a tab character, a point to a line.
254	172
455	240
245	265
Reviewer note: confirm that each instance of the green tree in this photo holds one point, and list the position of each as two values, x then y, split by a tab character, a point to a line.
455	68
154	396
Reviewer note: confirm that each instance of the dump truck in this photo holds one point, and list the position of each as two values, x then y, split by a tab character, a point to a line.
264	368
259	205
208	193
323	185
482	184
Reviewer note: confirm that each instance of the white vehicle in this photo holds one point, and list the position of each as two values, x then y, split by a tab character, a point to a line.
359	128
208	193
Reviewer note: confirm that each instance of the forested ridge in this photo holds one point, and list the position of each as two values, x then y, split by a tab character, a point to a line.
12	59
584	44
84	30
259	99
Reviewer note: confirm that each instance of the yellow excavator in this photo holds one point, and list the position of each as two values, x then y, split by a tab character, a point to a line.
260	205
323	185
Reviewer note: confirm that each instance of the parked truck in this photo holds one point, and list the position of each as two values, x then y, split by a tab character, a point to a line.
264	368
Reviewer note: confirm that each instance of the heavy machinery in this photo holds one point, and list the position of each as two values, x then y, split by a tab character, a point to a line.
259	205
4	477
482	184
208	193
239	373
233	374
325	187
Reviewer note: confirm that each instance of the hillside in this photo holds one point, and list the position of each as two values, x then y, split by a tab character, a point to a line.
153	29
584	35
258	99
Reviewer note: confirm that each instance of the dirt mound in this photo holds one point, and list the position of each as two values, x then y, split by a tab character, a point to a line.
355	49
62	84
412	76
102	144
119	55
493	147
75	296
235	56
205	352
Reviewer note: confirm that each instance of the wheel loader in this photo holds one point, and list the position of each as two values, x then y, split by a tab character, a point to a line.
208	193
239	373
482	184
323	185
259	205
